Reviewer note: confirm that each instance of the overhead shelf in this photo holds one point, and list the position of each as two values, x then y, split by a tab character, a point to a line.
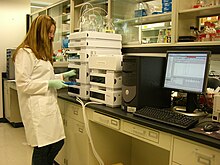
197	43
211	43
147	19
155	28
199	12
147	45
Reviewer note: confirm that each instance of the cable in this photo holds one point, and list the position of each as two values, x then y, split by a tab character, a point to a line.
88	130
87	3
87	10
81	13
94	8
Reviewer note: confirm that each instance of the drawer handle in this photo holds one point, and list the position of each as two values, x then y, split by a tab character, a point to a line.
138	132
203	158
113	122
80	130
153	135
75	112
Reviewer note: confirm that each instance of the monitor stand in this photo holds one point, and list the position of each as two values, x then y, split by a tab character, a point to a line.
191	107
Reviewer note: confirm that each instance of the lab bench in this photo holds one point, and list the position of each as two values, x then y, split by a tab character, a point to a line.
11	105
119	136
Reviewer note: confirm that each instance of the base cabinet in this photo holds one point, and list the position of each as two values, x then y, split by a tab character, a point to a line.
188	152
115	146
129	143
12	111
76	149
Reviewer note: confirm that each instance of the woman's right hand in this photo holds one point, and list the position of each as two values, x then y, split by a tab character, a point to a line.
57	84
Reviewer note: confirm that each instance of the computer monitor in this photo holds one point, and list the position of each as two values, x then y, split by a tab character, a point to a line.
187	71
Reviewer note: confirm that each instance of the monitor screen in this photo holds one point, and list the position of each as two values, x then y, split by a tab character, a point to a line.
187	70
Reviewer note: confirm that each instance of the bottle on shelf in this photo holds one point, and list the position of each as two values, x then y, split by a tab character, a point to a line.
204	3
205	32
65	42
84	25
193	35
100	24
141	10
160	38
196	31
192	31
217	28
212	32
167	36
109	28
198	4
59	55
217	2
208	3
93	23
166	6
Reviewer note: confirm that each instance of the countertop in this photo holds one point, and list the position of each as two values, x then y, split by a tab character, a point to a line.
119	113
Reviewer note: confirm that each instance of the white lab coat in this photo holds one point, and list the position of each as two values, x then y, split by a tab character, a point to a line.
38	104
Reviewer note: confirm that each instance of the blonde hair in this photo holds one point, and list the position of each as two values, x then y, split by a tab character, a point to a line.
37	38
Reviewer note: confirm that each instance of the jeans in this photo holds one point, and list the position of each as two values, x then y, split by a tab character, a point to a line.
45	155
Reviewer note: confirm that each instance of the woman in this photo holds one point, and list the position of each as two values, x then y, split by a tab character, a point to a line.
36	87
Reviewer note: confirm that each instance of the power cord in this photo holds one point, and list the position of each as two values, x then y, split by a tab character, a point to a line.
88	130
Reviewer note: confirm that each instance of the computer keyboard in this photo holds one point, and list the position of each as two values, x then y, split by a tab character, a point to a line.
167	116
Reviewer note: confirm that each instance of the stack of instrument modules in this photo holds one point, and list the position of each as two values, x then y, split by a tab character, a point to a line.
106	79
78	55
96	56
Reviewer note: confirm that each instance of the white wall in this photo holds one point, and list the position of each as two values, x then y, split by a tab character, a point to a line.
12	30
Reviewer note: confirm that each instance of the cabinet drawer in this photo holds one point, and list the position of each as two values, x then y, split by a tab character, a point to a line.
74	111
185	153
142	132
106	120
152	136
76	127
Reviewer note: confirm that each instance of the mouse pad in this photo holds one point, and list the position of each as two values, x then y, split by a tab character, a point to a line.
215	134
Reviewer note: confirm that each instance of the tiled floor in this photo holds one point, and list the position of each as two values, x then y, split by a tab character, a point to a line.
13	146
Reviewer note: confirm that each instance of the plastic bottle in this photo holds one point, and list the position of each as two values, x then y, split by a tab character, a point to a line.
196	33
201	34
109	28
65	42
65	56
209	3
212	32
167	36
217	2
93	23
217	28
206	32
192	31
59	56
160	38
198	4
84	25
100	24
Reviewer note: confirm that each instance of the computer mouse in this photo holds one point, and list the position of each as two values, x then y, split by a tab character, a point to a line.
210	127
